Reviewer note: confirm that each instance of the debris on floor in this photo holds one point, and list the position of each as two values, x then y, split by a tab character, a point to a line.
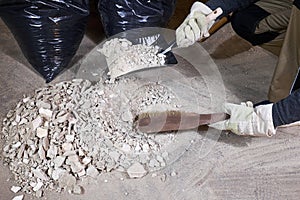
136	170
74	129
15	189
173	173
19	197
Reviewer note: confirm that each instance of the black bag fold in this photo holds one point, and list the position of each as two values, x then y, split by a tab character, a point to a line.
122	15
48	32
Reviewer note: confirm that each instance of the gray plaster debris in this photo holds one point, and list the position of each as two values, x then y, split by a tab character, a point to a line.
163	178
39	193
19	197
46	113
136	171
38	186
67	181
38	173
57	173
75	130
173	173
59	161
122	56
41	132
77	189
15	189
92	171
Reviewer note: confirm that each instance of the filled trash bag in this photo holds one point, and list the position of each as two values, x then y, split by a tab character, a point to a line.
48	31
121	15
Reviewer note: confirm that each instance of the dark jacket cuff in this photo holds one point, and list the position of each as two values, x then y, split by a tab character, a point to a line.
297	3
287	110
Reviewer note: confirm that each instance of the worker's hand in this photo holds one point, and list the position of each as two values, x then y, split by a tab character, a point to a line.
196	25
246	120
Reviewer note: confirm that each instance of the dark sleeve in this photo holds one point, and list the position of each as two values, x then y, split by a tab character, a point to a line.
297	3
229	6
287	110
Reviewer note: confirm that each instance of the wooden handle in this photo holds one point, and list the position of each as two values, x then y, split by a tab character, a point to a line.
220	23
205	119
175	120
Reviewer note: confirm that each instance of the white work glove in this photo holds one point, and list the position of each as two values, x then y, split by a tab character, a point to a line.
196	24
246	120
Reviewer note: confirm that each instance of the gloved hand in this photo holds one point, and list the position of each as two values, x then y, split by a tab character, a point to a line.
196	24
246	120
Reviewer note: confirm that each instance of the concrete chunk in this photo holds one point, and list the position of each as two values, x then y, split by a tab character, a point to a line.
57	173
46	113
77	189
67	147
38	186
15	189
38	173
66	180
92	171
41	132
37	122
20	197
58	161
136	171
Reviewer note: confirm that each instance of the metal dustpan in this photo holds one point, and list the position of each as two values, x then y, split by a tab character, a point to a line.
152	39
170	58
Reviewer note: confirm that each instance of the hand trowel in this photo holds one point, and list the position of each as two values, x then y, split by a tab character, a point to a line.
160	122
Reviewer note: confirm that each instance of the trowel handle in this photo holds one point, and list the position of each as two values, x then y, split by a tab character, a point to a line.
214	14
218	24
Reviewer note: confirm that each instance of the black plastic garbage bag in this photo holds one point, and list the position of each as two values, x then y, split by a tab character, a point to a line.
121	15
48	31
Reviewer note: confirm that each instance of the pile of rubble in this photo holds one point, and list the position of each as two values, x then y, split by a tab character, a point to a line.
74	129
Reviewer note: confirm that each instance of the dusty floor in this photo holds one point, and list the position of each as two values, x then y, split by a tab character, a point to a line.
213	167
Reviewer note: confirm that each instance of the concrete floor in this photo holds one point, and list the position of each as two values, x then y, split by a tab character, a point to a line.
232	168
